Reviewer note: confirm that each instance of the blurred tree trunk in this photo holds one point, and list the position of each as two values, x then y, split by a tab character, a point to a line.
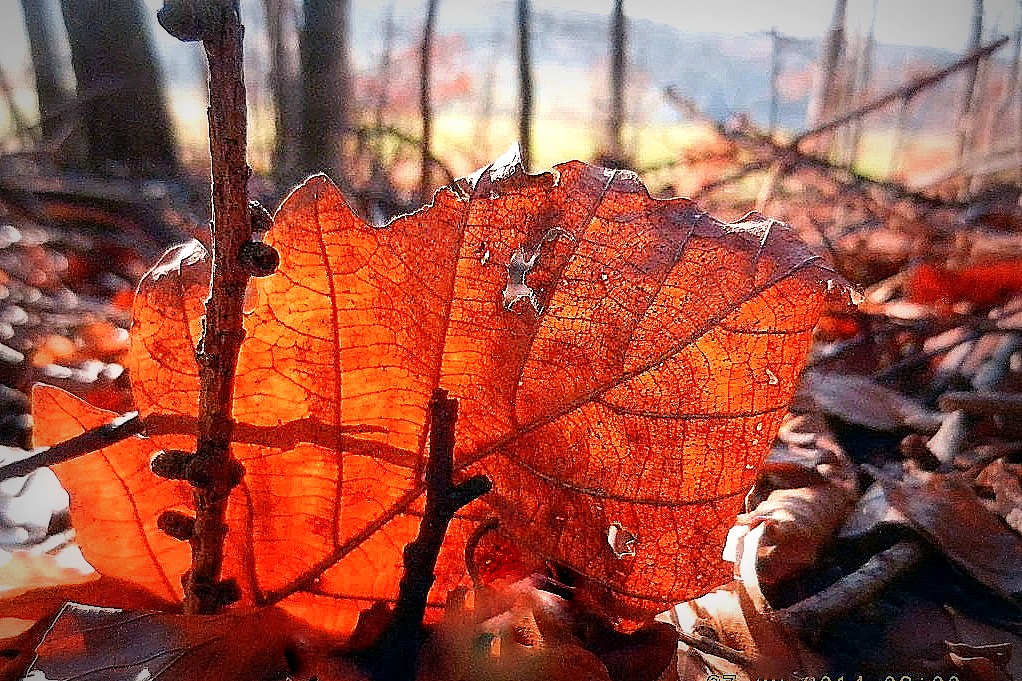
383	95
279	19
967	113
863	76
615	145
54	99
821	103
425	99
326	86
525	100
120	89
775	74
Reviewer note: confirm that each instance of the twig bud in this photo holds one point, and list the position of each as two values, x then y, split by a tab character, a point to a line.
261	218
177	524
190	20
171	464
258	259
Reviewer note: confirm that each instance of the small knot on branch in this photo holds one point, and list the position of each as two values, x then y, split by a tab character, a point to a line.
191	20
171	464
258	259
178	525
260	217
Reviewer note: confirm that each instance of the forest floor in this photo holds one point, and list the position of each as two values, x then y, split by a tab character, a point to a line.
884	530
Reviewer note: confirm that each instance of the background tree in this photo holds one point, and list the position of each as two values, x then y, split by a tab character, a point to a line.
279	28
821	102
326	86
615	122
525	103
53	97
425	97
120	89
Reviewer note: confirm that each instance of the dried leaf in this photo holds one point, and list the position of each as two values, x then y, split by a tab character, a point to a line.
727	616
1005	481
799	525
948	513
508	631
88	643
864	402
621	362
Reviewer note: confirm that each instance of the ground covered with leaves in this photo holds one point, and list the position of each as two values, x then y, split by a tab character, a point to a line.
880	538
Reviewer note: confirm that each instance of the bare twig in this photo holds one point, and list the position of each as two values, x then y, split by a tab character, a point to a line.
399	135
906	91
855	590
715	648
395	655
213	472
982	402
108	434
789	158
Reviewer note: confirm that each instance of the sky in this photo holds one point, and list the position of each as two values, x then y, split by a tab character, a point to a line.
937	23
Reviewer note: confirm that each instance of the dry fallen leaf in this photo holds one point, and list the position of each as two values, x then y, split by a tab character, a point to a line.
800	523
948	513
622	365
87	643
864	402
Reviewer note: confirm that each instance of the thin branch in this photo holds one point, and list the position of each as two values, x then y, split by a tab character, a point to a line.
711	647
405	138
396	653
855	590
906	91
108	434
213	472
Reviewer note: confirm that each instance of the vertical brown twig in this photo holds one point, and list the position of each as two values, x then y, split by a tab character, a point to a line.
395	655
213	472
524	83
425	98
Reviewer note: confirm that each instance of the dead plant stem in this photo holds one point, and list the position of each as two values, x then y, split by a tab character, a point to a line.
213	472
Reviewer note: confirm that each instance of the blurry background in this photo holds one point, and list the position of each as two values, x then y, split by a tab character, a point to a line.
339	86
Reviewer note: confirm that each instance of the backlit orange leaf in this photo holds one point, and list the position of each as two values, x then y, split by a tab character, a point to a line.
622	365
